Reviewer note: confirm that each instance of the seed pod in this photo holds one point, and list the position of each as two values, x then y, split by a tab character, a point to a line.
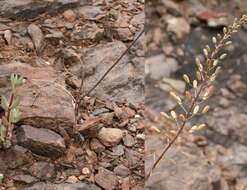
196	109
195	83
186	78
217	70
208	92
205	51
198	75
198	61
197	128
214	40
198	64
153	128
175	97
165	115
213	77
219	36
173	114
215	63
223	56
205	109
208	48
228	43
224	30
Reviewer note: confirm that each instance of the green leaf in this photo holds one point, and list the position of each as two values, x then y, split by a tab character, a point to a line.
4	103
15	115
15	103
1	178
2	133
12	80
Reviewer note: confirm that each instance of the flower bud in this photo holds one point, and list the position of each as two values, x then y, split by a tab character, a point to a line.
186	78
173	114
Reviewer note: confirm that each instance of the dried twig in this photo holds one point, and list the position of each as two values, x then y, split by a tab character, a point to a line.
206	74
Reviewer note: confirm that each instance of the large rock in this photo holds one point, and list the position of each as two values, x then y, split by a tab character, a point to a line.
62	186
45	102
183	168
26	9
227	125
41	141
14	157
120	84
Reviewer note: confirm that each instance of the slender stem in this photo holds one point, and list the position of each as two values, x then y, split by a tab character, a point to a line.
8	128
177	134
113	65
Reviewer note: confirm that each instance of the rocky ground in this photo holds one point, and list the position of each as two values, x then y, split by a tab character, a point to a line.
53	44
215	159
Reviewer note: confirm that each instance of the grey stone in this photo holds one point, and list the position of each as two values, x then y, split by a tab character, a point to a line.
88	31
128	140
36	35
159	66
22	178
89	11
42	170
184	168
122	171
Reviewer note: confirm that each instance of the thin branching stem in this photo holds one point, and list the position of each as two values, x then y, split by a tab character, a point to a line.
205	86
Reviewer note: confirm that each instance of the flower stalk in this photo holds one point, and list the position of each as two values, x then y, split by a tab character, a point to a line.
202	87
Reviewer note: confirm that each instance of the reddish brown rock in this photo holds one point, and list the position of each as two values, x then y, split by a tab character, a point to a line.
41	141
45	102
106	179
69	15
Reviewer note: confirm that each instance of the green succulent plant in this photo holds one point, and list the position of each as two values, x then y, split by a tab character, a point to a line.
12	114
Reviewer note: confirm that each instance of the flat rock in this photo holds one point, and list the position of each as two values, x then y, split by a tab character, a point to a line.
88	31
22	178
41	141
110	136
122	171
14	157
138	20
106	179
96	146
120	84
62	186
45	102
42	170
225	129
89	11
27	9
